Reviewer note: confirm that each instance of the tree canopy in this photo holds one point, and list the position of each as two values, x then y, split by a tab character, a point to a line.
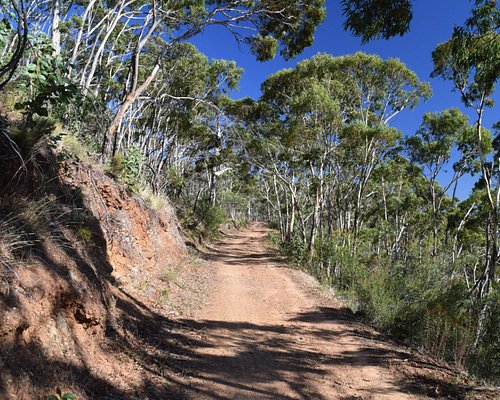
367	208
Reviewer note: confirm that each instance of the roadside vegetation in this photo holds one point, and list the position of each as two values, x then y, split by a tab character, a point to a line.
357	203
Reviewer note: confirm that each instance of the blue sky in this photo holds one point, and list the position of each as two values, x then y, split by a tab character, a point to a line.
433	22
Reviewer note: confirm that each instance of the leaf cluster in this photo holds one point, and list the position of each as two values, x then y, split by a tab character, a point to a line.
377	19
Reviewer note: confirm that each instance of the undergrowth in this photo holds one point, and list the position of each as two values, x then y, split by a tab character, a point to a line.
421	301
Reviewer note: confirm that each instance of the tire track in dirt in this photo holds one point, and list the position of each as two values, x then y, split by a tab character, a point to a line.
266	333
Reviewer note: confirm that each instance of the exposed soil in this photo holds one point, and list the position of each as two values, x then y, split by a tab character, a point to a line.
90	279
103	299
268	333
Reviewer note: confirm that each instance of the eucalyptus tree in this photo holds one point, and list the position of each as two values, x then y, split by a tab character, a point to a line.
180	120
380	89
161	118
470	59
396	212
333	115
309	111
375	19
431	148
257	135
264	25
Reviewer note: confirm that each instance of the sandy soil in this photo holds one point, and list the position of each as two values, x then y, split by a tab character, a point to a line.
267	333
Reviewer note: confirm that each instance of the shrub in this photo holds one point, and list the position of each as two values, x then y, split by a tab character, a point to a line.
212	218
421	300
485	359
127	167
204	221
156	202
30	134
296	250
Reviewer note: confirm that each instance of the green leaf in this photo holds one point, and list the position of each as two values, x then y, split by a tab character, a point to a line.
69	396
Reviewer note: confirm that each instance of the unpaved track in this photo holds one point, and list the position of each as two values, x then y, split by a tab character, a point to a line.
265	333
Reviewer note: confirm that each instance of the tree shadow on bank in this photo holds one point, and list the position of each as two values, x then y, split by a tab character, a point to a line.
166	359
59	301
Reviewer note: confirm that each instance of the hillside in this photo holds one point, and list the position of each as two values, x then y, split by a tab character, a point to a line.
90	274
101	297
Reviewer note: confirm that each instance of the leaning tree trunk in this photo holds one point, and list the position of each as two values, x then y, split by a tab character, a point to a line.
109	137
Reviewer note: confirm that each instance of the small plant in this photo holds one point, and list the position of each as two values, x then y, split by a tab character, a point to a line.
62	396
75	148
274	239
82	217
85	235
171	275
127	167
142	285
165	293
156	202
117	164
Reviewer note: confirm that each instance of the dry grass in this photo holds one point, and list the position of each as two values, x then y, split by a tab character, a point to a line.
75	148
13	239
154	201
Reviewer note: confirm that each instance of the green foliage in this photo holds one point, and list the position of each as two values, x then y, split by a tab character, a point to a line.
29	134
85	118
85	235
437	136
212	217
6	32
164	293
127	167
311	98
46	81
273	238
305	17
175	179
75	148
264	47
204	221
485	359
471	58
60	395
296	250
375	19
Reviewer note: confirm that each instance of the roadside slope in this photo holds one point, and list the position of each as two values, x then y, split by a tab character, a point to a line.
89	274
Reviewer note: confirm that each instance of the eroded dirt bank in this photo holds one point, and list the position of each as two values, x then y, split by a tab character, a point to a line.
103	299
266	332
89	274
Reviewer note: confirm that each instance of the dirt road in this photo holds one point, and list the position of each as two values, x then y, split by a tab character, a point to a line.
266	333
